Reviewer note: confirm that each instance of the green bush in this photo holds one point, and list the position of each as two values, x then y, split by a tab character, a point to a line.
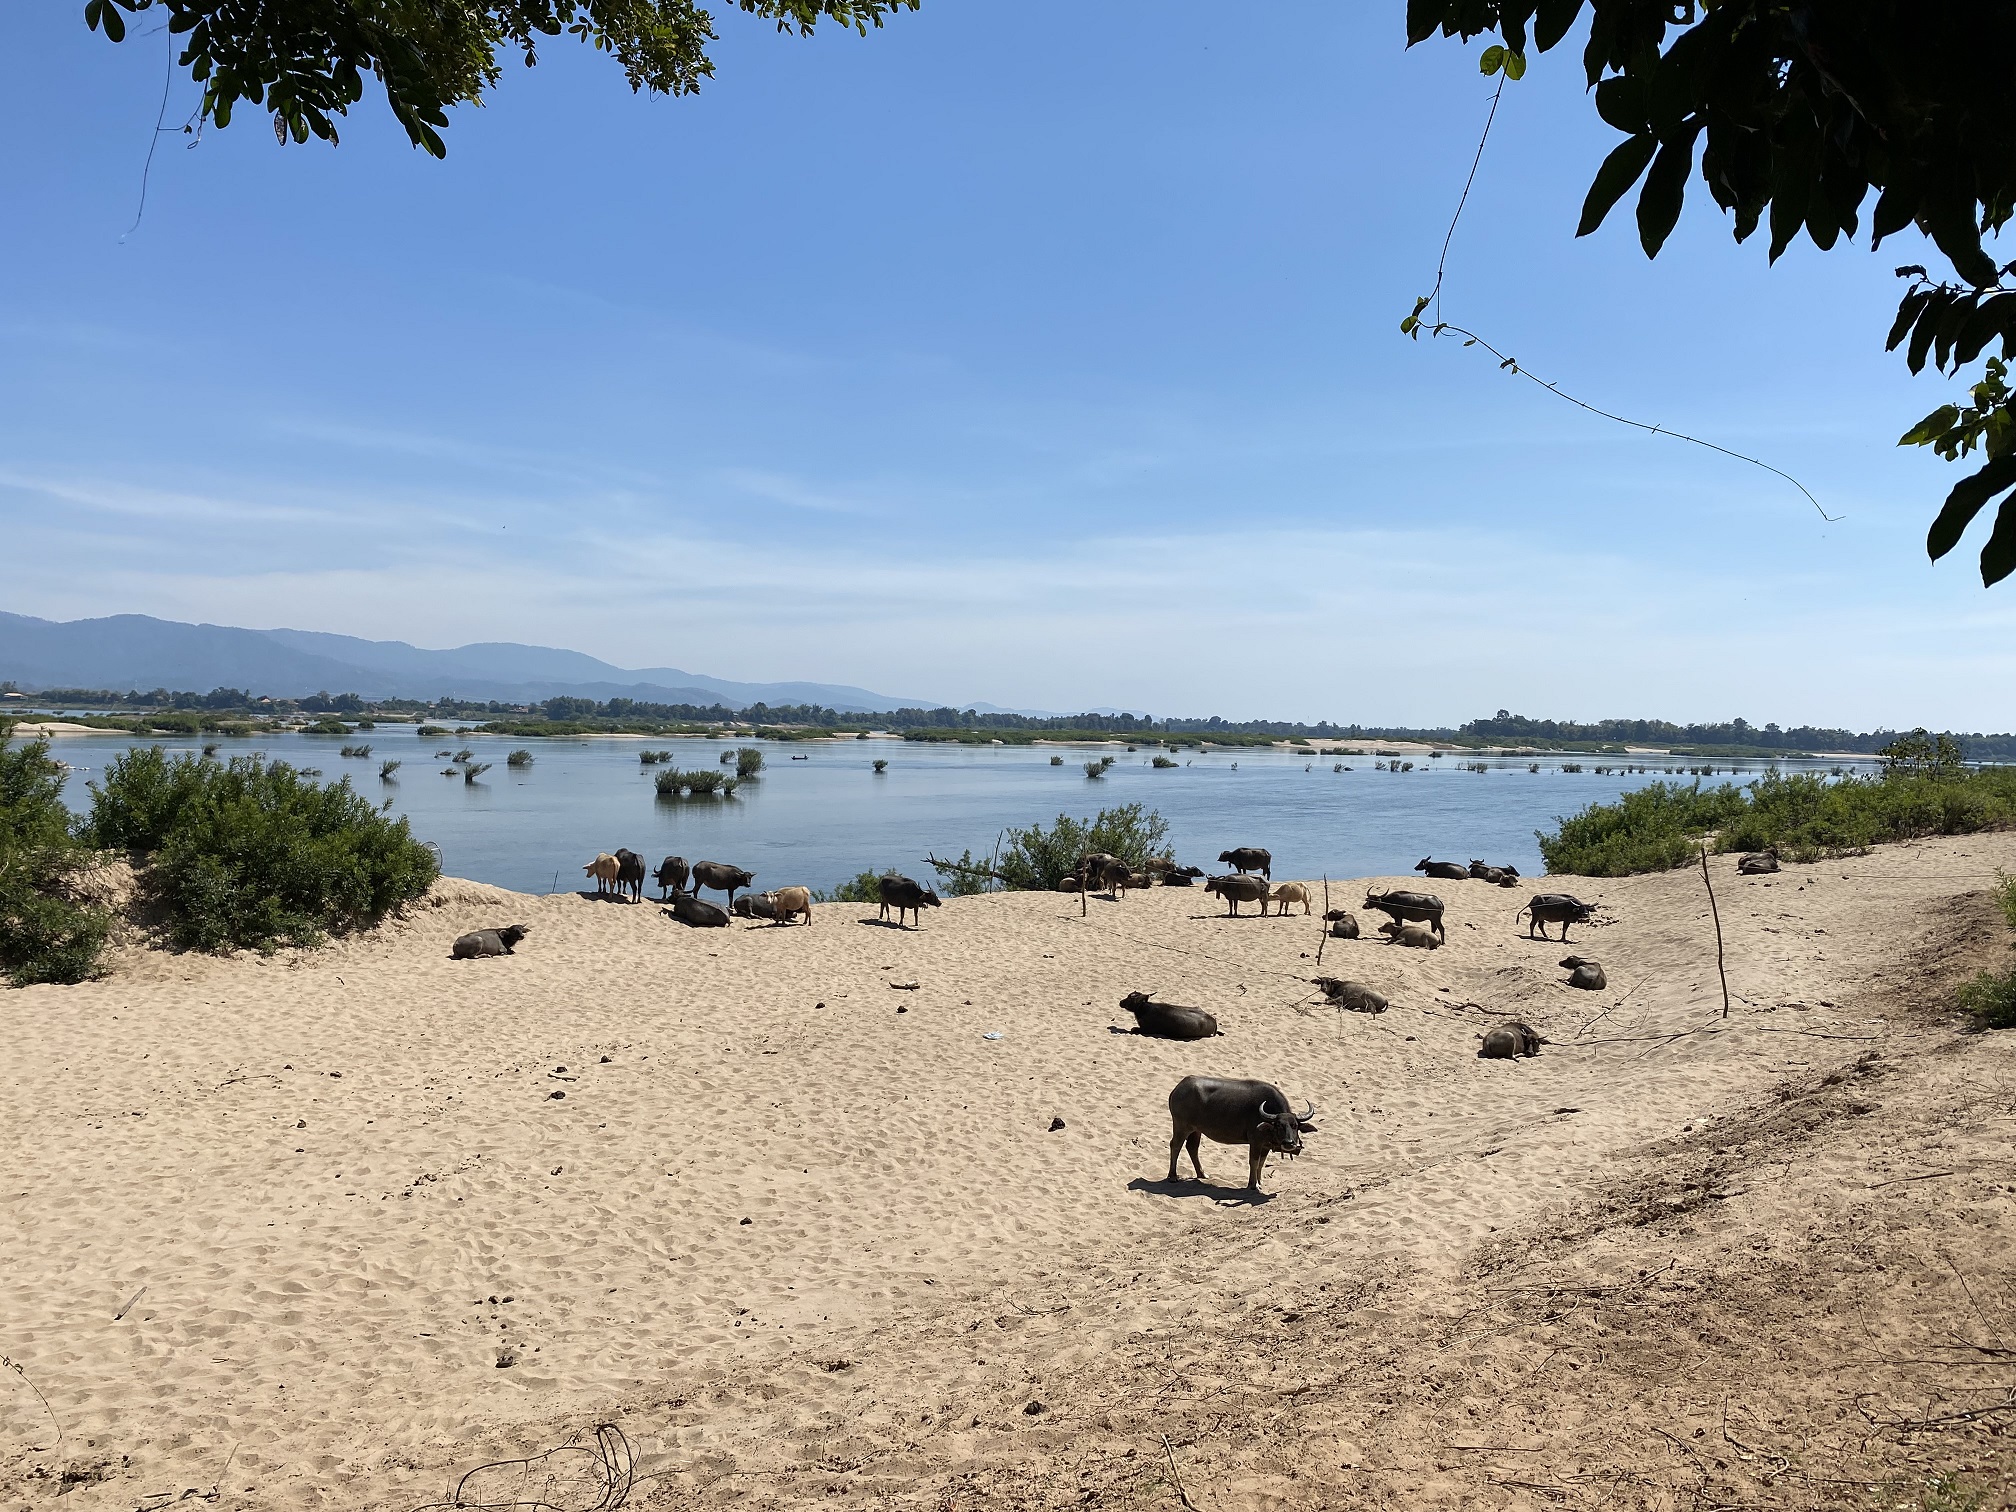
1655	828
864	887
1990	1000
326	727
44	936
698	783
253	854
1038	859
748	761
519	758
428	732
2005	895
959	880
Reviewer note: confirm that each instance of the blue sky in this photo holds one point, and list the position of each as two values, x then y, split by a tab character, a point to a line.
1044	353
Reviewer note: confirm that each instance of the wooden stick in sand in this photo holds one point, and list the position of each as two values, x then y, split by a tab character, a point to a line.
1720	969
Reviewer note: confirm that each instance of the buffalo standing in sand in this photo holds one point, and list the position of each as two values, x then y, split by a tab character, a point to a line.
629	875
1234	1112
1238	888
1250	858
1286	893
603	869
1408	907
902	894
1555	908
671	875
720	876
1168	1020
489	942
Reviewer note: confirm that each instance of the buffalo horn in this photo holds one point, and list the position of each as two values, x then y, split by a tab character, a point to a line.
1267	1110
1309	1114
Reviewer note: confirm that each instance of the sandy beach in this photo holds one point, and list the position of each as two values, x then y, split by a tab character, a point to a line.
332	1228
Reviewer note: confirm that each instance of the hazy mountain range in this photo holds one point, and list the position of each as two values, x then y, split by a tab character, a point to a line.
126	651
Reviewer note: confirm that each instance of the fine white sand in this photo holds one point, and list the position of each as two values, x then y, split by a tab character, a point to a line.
292	1212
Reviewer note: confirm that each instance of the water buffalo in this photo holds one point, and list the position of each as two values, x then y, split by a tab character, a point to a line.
1250	858
1286	893
1510	1041
754	906
1488	873
720	876
1588	975
1168	1020
1447	871
1417	936
1234	1111
1758	864
1555	908
629	875
902	894
671	875
1402	907
1343	924
1101	872
603	869
1352	997
1238	888
489	942
790	902
1186	877
689	908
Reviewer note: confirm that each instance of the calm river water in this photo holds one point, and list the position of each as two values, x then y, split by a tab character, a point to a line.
830	816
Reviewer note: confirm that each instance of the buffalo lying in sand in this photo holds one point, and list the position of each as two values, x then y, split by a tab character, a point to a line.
1238	888
1406	907
1343	924
1234	1112
1587	975
753	906
1168	1020
1758	864
1511	1041
698	912
1414	935
1352	997
720	876
489	942
1555	908
1250	858
904	895
1446	871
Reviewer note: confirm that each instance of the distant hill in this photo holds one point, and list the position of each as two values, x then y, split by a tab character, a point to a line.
137	651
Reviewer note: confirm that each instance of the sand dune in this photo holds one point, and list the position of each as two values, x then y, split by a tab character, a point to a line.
354	1219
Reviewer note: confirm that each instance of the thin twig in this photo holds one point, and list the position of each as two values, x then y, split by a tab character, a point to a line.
1717	913
11	1365
129	1304
1900	1180
1181	1494
1442	263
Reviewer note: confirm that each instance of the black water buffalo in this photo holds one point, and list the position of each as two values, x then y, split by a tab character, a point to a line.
1239	888
1168	1020
1402	907
1758	864
489	942
629	875
720	876
1510	1041
1101	872
1588	975
1488	873
1250	858
689	908
754	906
1352	997
1555	908
1343	924
671	875
1183	877
1234	1111
1446	871
902	894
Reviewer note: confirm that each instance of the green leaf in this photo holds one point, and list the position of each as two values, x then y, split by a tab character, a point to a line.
1966	500
1492	60
1998	557
1932	427
1619	172
1515	65
1553	21
1665	190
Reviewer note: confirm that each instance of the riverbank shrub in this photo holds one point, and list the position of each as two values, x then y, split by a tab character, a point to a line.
254	854
748	761
1802	816
1990	1000
863	887
45	936
1037	859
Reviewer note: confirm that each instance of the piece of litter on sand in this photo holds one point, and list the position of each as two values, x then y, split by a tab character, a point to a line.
992	1034
904	986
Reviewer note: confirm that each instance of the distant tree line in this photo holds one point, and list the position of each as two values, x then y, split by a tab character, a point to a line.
1516	728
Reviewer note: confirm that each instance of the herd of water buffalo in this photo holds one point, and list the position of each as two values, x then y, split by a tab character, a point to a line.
1233	1111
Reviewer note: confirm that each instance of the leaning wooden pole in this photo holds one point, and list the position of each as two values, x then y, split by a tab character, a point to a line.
1720	969
1324	938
